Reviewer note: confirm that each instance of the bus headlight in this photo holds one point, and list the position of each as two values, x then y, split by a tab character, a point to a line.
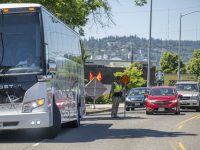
28	107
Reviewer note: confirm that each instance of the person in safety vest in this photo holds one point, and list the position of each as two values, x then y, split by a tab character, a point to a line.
117	93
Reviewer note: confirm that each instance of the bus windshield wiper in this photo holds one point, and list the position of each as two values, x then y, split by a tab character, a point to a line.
1	40
4	69
2	49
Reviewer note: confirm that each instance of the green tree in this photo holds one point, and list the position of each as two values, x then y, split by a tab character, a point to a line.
194	63
134	72
140	2
169	63
198	79
74	12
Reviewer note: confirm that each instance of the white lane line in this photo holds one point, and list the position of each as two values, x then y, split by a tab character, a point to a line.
85	125
36	144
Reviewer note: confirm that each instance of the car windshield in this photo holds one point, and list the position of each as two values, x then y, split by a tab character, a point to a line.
20	43
138	92
162	92
187	87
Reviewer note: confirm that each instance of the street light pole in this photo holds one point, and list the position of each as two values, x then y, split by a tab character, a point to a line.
149	49
179	50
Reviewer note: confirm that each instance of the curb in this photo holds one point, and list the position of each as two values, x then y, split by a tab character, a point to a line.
97	111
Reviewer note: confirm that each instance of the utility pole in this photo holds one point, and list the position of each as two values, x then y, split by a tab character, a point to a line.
131	54
180	48
149	49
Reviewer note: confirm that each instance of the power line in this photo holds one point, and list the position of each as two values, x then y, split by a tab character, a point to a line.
155	10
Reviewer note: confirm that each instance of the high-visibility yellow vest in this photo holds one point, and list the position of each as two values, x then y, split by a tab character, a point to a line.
117	87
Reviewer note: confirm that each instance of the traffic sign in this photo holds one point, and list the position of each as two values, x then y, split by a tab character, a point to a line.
124	79
159	76
95	88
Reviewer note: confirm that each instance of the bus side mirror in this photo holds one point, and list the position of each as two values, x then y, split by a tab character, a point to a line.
52	67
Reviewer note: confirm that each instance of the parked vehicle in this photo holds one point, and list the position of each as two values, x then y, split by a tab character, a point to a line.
162	99
191	94
135	98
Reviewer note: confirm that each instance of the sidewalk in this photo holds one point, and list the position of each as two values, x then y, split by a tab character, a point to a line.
99	108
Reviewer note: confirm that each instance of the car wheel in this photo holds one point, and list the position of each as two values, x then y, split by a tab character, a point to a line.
132	108
127	109
148	113
177	113
198	109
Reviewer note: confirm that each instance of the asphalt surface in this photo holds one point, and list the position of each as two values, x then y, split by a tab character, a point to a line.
136	131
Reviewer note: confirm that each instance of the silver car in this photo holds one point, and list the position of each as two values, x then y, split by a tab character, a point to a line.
191	94
135	98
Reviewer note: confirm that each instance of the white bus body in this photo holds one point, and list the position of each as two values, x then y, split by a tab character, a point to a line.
49	92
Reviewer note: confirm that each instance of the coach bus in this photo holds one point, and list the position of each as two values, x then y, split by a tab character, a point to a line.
41	71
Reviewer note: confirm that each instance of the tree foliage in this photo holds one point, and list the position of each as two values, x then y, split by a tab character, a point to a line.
169	63
194	63
74	12
134	72
140	2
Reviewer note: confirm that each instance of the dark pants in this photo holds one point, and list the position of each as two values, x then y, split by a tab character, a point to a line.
115	105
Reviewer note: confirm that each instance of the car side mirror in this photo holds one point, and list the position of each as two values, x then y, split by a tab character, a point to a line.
146	95
180	95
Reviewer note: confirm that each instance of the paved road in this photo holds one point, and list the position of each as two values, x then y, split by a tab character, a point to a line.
137	131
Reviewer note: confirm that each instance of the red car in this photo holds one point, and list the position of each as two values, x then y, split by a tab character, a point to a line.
162	99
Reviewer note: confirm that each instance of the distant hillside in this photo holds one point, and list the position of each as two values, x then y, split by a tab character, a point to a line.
121	48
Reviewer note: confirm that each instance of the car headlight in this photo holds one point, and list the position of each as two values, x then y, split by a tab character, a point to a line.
128	99
174	101
151	101
194	97
29	106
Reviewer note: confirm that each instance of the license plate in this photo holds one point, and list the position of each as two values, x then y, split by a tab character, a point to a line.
161	109
137	104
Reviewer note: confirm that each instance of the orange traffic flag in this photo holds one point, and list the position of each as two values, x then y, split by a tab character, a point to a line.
91	76
99	76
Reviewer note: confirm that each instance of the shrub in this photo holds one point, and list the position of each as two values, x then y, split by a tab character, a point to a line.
103	99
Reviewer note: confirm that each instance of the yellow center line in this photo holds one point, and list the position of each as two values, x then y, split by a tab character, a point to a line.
181	146
177	146
181	124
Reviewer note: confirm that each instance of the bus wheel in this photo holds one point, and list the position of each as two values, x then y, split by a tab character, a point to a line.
76	123
53	131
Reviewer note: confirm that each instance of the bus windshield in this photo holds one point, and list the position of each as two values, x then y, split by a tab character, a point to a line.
20	43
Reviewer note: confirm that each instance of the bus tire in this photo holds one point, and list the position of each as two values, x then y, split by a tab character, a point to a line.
53	131
76	123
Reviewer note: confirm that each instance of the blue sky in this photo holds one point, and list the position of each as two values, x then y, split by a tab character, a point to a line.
131	20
